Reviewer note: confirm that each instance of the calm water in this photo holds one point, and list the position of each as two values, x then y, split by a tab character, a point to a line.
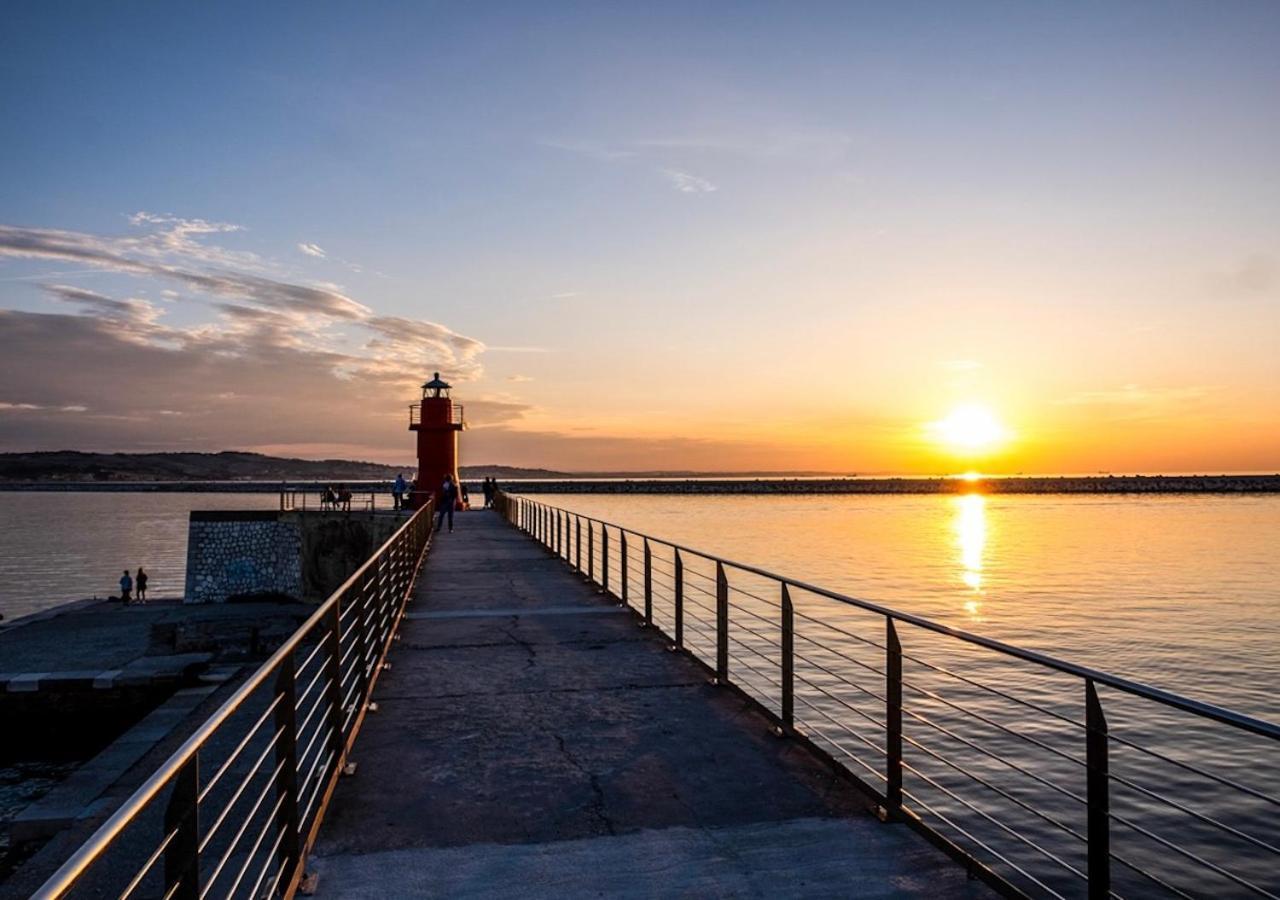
57	547
1180	592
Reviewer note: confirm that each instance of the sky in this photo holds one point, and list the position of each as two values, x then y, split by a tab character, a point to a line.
709	236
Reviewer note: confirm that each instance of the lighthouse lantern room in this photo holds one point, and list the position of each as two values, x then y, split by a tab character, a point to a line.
437	422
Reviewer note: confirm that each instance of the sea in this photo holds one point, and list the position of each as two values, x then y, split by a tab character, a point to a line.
1180	592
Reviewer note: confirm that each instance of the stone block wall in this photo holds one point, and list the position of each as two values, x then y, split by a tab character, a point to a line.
240	554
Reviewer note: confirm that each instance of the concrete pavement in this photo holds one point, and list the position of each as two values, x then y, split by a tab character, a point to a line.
532	741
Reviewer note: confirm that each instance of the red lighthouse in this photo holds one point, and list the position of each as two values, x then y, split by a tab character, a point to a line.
437	422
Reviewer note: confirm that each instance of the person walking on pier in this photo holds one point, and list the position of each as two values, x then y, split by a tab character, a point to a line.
447	497
397	491
488	493
141	582
126	587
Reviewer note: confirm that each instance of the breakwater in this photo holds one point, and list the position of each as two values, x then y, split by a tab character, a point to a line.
1016	484
1112	484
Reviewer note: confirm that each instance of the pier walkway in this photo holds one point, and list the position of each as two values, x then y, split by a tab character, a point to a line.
532	741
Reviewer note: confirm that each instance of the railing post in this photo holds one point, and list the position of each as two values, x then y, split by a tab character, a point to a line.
333	664
722	625
182	856
788	660
361	637
559	535
1099	794
604	557
622	566
893	721
577	543
648	584
591	551
290	851
679	576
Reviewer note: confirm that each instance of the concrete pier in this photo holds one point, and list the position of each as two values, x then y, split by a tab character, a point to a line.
533	741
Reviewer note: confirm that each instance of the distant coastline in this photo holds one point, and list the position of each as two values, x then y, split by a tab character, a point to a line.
1067	484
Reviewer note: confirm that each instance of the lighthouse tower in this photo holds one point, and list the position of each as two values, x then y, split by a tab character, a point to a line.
437	422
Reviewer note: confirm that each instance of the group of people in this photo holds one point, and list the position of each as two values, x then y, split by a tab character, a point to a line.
336	498
129	585
490	492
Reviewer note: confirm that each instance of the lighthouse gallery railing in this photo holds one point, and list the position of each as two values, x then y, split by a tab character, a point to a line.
234	811
1023	780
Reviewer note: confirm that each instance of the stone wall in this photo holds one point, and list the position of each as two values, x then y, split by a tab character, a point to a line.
241	554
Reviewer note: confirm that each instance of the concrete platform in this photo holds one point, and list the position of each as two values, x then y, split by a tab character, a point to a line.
533	741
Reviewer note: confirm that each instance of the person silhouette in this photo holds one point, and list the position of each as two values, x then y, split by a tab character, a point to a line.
447	498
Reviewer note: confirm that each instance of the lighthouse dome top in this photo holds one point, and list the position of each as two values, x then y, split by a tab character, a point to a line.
436	387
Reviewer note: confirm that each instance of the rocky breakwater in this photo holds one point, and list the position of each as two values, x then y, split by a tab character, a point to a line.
1109	484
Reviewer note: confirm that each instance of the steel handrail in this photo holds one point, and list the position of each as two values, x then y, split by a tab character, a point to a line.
560	531
1136	688
64	878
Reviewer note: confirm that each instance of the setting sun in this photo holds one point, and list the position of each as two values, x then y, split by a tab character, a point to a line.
970	428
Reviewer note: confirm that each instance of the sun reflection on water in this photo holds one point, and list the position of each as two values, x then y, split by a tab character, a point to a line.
971	538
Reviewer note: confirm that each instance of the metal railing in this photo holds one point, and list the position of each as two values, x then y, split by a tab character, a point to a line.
235	810
1044	777
455	418
360	500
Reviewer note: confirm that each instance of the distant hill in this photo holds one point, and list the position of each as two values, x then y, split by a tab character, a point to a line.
70	465
232	465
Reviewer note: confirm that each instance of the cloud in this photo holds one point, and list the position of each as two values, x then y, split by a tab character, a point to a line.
5	406
251	379
687	183
519	379
312	250
99	304
269	359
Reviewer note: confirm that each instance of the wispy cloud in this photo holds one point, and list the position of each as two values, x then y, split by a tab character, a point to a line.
688	183
520	379
169	255
312	250
5	406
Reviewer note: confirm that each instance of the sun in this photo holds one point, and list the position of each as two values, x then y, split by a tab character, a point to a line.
970	429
